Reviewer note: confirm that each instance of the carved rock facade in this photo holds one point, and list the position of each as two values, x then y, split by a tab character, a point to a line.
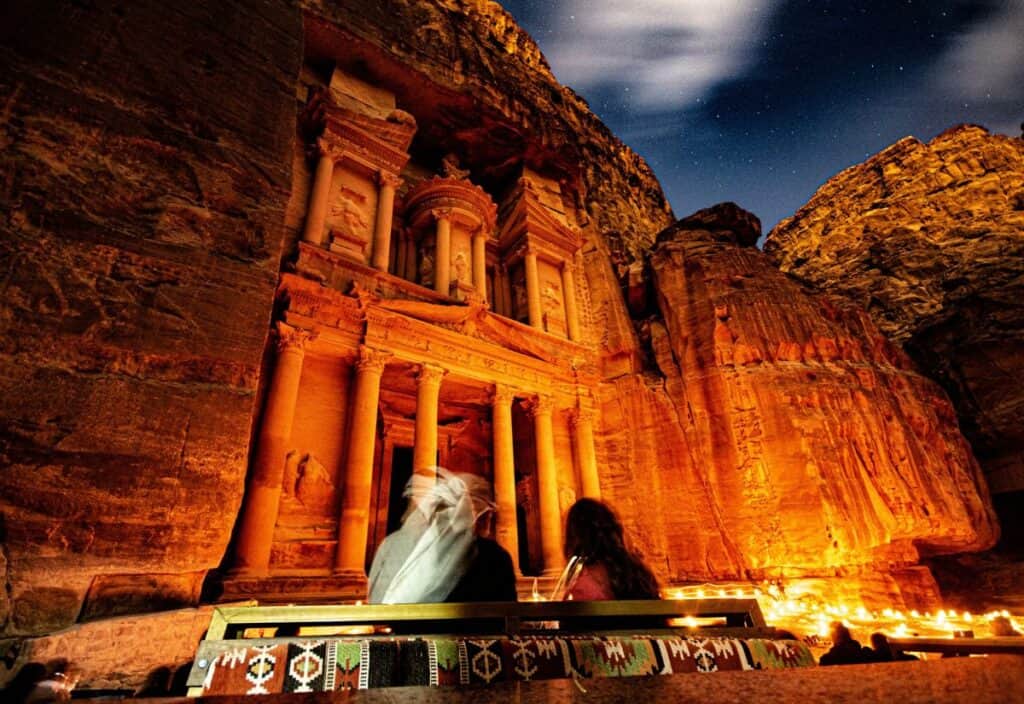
165	327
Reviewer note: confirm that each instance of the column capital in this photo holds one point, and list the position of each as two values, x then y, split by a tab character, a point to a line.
567	266
388	179
324	148
539	405
430	374
441	213
480	233
502	395
581	415
528	250
292	339
372	360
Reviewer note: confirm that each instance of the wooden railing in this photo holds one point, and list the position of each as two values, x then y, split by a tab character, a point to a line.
959	646
717	616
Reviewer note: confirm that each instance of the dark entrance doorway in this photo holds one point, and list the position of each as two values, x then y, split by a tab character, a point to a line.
401	471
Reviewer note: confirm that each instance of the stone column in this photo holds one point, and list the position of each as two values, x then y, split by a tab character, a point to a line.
583	430
572	317
353	525
428	391
263	495
382	228
443	256
547	483
504	471
480	262
317	211
533	289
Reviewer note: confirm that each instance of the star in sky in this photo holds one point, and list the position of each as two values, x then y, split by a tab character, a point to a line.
760	102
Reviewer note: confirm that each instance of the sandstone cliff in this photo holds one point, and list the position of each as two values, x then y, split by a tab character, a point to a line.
929	238
796	438
147	156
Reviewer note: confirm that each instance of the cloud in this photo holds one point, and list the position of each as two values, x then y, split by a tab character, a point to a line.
985	66
667	53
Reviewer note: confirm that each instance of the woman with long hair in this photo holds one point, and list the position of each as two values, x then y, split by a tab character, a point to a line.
610	570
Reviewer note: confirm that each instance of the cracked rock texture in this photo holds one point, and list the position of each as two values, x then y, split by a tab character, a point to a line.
798	439
144	163
929	237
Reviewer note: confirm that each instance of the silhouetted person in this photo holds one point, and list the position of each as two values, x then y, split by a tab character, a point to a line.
24	682
56	686
610	570
882	650
491	575
1002	627
845	650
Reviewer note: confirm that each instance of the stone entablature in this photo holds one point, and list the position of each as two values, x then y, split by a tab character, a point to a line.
471	341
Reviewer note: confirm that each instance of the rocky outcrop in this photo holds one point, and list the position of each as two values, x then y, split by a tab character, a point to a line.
798	439
929	238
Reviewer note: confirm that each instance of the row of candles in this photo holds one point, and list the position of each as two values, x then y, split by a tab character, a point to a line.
809	616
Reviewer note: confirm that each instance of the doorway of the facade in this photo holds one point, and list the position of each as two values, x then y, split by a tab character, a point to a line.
401	471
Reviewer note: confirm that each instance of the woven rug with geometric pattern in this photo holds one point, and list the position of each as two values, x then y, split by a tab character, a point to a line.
327	664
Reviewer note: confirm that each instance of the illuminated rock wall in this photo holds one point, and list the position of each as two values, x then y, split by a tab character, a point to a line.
146	169
929	238
788	436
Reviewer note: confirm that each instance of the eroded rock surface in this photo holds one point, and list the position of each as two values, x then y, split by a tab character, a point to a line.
789	437
930	239
144	153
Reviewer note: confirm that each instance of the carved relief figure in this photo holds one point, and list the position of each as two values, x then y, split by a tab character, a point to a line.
426	268
519	304
461	267
346	214
313	486
450	167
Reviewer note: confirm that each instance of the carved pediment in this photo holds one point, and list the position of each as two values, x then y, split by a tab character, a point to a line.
477	322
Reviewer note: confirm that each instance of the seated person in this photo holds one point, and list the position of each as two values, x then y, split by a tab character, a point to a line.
601	566
882	650
845	650
439	554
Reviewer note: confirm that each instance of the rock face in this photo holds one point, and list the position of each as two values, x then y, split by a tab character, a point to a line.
759	430
147	160
798	439
930	239
140	238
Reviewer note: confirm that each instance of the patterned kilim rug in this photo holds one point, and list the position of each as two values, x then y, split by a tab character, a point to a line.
330	664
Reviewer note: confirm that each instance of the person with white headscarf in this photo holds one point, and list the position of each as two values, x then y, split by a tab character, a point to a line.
441	553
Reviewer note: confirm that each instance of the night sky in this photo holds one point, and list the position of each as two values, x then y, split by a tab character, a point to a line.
761	101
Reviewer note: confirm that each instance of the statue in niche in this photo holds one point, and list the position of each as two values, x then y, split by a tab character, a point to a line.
461	267
313	485
291	471
450	167
346	216
552	301
519	304
426	268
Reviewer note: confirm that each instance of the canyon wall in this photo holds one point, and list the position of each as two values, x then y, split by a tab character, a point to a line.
929	238
145	163
757	429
